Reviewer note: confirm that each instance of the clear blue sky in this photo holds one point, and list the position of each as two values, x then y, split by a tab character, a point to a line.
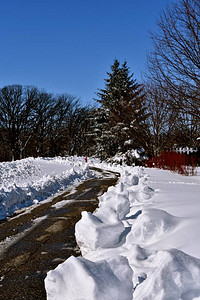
69	45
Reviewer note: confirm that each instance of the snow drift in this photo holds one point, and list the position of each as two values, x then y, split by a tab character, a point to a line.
149	234
173	275
79	278
25	182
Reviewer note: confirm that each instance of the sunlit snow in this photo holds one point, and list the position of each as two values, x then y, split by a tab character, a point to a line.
141	243
29	181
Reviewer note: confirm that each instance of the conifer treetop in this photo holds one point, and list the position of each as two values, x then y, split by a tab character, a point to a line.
119	87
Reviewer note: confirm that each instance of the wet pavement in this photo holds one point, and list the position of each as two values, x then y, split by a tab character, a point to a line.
43	237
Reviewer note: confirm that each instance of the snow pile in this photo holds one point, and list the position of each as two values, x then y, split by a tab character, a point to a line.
25	182
150	226
84	279
94	232
141	243
173	275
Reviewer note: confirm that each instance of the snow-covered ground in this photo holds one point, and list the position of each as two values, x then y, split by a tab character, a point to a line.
143	242
28	181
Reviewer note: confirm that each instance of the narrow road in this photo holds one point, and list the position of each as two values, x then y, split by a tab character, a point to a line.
33	243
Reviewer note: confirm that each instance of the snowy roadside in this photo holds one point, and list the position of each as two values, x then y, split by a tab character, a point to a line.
141	243
29	181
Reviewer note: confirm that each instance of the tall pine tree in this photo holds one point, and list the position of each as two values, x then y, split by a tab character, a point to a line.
122	102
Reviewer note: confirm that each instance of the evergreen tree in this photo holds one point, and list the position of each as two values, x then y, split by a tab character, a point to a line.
99	133
122	102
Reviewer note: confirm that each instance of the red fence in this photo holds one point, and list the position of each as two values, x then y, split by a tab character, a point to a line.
180	163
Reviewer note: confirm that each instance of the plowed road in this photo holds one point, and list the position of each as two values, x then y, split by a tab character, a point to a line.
35	242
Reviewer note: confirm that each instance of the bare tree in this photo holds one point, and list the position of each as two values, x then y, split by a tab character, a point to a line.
37	123
168	127
16	117
57	126
161	117
43	110
77	127
175	61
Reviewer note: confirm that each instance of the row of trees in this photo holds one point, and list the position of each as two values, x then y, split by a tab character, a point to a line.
129	116
135	116
160	113
36	123
163	112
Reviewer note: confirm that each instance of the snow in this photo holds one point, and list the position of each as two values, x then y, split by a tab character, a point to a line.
29	181
62	203
94	232
101	280
142	242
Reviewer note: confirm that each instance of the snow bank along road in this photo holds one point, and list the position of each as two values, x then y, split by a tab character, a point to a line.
142	242
41	237
29	181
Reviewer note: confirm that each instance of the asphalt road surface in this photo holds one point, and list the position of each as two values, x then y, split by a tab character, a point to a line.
35	242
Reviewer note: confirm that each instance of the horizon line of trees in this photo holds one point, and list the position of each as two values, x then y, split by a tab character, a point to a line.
37	123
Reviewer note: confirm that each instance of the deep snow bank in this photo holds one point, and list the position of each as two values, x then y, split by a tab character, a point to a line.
27	181
149	232
79	278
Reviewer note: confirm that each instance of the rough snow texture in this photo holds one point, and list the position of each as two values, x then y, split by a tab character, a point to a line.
93	232
141	243
150	226
79	278
173	275
25	182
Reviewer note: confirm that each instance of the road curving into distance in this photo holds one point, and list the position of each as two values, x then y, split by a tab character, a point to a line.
35	242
